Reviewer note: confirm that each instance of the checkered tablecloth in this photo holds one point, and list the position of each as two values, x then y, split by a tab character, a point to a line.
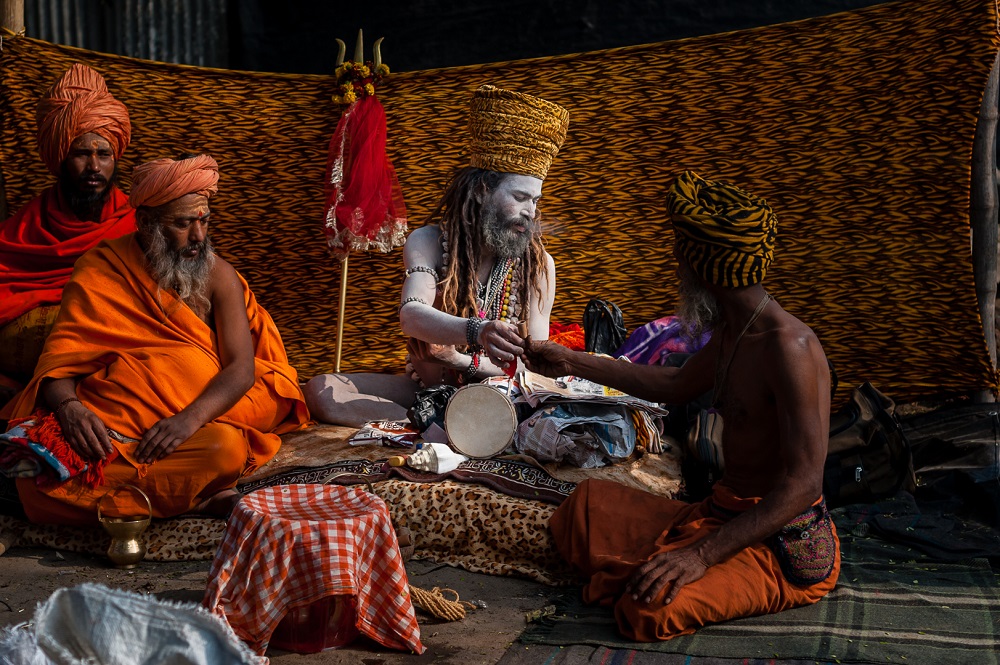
290	545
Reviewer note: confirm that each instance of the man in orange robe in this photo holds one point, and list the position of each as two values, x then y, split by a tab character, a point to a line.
82	132
763	541
162	370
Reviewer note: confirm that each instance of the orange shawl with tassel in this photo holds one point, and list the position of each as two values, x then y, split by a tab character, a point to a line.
143	355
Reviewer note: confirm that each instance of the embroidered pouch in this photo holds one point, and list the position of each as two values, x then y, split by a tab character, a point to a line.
806	547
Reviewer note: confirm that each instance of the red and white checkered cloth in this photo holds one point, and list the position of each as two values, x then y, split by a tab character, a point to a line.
291	545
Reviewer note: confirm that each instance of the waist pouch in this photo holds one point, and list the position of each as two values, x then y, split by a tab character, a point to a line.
806	547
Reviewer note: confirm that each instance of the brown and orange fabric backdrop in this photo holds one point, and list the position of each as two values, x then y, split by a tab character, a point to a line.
857	128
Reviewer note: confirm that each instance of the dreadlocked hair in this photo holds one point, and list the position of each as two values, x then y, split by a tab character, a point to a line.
457	213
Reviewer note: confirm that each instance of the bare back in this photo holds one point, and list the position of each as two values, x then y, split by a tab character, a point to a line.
775	404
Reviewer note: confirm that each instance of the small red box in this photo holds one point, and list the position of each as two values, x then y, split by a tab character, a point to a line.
328	623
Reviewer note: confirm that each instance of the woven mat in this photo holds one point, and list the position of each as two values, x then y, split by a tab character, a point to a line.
891	604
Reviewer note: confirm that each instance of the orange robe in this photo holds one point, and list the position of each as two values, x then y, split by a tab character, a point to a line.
42	241
141	355
605	530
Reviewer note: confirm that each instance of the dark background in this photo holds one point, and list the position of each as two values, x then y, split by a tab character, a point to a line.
425	34
298	37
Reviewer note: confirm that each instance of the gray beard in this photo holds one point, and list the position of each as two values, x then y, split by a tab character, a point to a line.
187	277
499	235
698	310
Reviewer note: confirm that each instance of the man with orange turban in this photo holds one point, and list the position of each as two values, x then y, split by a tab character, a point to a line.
82	132
161	372
763	541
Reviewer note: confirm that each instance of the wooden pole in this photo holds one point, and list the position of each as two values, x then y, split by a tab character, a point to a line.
11	18
12	15
983	216
340	315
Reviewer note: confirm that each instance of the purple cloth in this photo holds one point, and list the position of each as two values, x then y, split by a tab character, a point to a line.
652	343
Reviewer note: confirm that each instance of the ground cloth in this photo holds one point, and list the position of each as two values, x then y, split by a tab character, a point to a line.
489	516
891	604
583	654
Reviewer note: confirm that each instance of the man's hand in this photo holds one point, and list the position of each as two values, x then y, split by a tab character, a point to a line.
163	438
678	568
84	431
437	354
548	358
500	343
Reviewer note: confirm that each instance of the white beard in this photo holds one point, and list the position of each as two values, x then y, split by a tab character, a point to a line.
698	310
187	277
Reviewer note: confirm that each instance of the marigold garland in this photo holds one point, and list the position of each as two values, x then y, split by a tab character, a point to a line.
357	80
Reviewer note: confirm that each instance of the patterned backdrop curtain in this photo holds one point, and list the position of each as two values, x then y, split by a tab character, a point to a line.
857	128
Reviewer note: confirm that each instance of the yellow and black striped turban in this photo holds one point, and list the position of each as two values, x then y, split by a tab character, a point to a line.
725	233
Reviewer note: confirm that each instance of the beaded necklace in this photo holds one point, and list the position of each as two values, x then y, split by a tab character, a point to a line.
494	299
498	299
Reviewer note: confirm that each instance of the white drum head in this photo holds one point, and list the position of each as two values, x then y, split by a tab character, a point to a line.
480	421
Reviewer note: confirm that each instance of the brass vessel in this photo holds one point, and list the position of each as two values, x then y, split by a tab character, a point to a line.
127	548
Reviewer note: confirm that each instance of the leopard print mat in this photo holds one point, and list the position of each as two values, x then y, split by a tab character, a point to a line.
469	526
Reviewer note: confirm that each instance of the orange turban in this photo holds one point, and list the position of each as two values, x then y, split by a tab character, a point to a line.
76	104
163	180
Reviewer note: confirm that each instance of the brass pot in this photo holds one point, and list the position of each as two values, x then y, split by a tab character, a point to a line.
127	548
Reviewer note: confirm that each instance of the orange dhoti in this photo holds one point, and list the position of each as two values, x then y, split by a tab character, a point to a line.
606	530
140	355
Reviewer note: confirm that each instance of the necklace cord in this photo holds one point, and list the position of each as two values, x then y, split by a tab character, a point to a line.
720	379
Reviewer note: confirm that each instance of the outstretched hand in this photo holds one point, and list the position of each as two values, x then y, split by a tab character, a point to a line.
548	358
677	568
84	431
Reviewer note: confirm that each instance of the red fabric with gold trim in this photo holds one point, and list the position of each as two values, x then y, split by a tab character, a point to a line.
364	203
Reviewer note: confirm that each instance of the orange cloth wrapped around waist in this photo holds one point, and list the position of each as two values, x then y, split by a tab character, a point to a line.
143	355
42	241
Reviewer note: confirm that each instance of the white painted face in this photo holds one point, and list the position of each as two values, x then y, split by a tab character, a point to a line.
508	214
516	196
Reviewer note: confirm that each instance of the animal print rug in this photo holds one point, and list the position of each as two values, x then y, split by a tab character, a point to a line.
488	516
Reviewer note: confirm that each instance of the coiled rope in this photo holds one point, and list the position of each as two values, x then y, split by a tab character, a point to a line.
436	604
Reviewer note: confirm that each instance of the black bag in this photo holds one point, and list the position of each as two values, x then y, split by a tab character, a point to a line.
869	457
429	406
962	438
603	326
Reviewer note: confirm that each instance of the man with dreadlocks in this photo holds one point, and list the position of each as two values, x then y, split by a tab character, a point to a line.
763	541
474	272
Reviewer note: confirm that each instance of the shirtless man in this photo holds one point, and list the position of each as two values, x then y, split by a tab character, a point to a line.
161	370
669	567
474	272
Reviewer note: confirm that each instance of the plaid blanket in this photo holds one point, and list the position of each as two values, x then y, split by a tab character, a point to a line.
891	604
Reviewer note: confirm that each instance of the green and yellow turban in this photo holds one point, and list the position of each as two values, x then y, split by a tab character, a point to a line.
725	233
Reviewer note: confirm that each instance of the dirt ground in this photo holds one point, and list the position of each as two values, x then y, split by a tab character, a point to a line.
29	576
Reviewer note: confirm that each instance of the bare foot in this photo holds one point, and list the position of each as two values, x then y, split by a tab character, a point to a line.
220	504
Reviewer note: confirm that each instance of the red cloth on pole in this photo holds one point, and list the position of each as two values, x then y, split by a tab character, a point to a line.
364	204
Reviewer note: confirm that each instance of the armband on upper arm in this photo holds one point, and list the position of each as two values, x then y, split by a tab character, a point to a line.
430	271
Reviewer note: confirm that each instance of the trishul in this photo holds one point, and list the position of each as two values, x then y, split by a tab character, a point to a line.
359	50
